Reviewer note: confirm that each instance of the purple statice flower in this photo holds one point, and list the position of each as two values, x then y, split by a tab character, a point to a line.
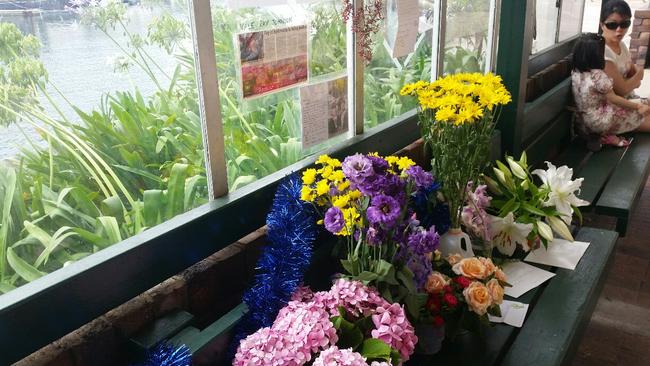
334	220
420	265
384	211
422	178
421	241
357	168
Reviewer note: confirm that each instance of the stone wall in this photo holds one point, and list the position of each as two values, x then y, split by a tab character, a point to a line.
640	37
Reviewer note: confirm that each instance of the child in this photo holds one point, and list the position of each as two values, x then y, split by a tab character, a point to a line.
602	111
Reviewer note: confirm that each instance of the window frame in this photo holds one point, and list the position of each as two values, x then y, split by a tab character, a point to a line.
42	311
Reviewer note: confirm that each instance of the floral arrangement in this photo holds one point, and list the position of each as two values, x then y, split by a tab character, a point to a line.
526	214
365	200
366	21
351	324
457	116
463	290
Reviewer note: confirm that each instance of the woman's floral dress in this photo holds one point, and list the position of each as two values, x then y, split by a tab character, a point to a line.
596	113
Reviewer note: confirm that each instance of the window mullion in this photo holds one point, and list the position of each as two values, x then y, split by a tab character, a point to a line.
209	100
355	64
438	39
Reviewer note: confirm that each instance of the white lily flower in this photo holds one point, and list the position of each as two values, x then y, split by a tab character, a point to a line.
563	190
507	233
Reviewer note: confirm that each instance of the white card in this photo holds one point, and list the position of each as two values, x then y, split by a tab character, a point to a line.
512	313
523	277
560	253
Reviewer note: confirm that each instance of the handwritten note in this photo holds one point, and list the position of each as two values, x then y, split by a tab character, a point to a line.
523	277
560	253
402	30
324	111
512	313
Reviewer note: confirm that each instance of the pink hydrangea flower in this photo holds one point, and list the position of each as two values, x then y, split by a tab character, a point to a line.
334	356
393	327
357	298
307	325
382	363
302	293
266	347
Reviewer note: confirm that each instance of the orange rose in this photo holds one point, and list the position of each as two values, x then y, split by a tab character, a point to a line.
454	258
471	267
500	275
436	282
477	297
489	266
496	291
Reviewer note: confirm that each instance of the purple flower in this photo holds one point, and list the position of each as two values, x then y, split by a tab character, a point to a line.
421	178
357	168
334	220
378	164
422	241
374	236
385	211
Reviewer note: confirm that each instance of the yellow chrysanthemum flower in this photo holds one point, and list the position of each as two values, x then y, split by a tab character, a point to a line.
337	176
404	163
341	201
307	194
309	176
343	186
326	172
355	194
322	187
446	114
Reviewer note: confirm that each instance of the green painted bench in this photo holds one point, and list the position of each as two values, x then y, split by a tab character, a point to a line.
558	314
613	177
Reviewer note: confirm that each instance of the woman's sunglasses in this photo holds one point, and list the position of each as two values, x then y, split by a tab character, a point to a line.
613	25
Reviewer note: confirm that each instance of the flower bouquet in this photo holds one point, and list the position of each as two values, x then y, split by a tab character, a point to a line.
457	115
462	291
351	324
526	214
365	200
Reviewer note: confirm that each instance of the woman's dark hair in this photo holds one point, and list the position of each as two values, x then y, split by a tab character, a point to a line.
615	6
589	52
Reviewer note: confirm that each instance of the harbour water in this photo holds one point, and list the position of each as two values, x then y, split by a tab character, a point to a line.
78	57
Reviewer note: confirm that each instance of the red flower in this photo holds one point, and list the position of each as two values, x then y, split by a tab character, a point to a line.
451	300
448	289
434	304
463	281
438	321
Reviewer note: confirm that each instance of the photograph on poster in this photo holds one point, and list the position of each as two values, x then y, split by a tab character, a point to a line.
324	109
273	59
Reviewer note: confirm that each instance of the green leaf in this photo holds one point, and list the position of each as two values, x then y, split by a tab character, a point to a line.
532	209
367	276
350	336
112	206
176	190
405	276
22	268
153	206
375	349
108	228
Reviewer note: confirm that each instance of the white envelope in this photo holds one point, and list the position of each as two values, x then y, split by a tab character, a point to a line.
523	277
512	313
560	253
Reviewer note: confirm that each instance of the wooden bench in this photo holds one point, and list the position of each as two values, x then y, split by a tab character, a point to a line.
613	177
558	314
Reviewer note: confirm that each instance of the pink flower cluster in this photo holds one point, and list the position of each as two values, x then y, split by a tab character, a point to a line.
474	217
303	328
334	356
394	328
300	329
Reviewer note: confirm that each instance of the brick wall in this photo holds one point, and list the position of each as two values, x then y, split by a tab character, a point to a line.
207	290
640	36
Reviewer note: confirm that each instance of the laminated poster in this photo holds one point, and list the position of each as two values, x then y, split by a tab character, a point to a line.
403	18
324	108
273	59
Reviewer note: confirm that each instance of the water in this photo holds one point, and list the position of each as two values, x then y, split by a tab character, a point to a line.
75	56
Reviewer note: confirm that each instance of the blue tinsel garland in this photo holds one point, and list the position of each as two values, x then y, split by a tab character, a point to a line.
291	232
165	354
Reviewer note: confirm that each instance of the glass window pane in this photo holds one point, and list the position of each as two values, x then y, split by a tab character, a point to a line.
466	36
100	135
384	75
545	26
591	16
265	55
570	17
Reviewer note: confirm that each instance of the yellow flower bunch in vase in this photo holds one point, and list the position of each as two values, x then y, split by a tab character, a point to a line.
457	114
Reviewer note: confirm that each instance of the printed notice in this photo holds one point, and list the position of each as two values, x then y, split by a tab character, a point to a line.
523	277
238	4
272	60
403	17
324	109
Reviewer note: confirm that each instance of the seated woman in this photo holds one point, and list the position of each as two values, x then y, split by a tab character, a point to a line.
615	20
602	111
